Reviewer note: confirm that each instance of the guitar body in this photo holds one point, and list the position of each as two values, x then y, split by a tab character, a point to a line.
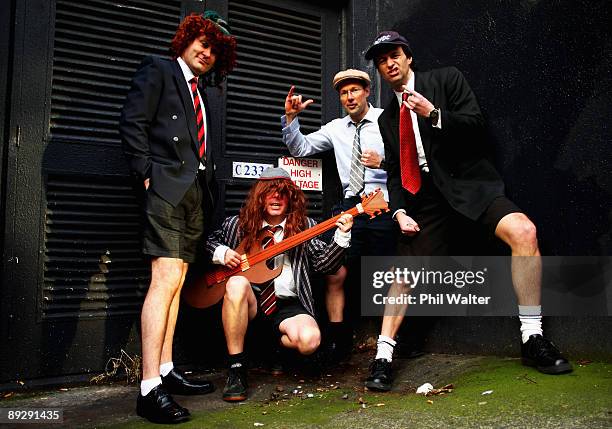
209	289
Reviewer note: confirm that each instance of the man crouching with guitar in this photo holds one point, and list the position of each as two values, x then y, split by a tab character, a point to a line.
275	210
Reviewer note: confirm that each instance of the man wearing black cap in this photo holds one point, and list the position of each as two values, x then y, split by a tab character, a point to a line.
166	139
277	207
359	152
432	131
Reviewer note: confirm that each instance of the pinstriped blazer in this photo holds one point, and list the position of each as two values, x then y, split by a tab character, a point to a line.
312	256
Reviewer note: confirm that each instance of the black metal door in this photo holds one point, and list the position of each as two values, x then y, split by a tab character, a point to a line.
72	276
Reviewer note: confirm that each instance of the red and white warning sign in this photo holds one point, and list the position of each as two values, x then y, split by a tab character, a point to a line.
307	173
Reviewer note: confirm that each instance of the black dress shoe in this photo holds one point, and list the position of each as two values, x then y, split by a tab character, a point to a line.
236	385
159	407
175	382
542	354
380	376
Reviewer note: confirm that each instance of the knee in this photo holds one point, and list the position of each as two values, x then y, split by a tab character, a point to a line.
522	235
309	340
166	274
236	289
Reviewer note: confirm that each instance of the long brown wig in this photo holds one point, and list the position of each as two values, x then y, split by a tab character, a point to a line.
224	47
252	213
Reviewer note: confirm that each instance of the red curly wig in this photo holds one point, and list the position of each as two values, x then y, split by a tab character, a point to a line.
252	213
224	47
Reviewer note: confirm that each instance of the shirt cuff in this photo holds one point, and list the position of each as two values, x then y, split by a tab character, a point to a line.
342	239
219	255
292	127
396	212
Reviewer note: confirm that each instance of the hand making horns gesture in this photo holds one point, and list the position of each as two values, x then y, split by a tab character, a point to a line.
294	105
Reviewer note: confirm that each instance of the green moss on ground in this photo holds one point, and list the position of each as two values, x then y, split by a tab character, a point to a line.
521	397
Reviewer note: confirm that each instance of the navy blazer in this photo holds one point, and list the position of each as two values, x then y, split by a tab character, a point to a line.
158	131
455	154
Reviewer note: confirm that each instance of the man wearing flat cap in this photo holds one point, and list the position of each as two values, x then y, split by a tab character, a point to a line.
166	134
433	133
274	209
358	149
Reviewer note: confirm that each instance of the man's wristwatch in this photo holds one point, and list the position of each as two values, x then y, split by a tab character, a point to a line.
434	115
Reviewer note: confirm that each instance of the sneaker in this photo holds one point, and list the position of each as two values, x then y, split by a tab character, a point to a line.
236	385
380	376
544	356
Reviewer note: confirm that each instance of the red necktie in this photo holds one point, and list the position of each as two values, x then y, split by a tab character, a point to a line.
409	159
267	298
199	117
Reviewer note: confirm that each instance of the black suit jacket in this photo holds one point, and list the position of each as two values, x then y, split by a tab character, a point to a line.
158	131
455	154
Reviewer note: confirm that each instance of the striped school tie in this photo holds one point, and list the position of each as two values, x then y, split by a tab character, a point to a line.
357	173
267	298
199	117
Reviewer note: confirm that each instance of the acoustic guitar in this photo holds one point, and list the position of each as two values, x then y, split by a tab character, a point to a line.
208	289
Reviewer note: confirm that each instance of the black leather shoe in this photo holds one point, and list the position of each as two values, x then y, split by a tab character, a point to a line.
544	356
175	382
336	353
159	407
236	385
380	376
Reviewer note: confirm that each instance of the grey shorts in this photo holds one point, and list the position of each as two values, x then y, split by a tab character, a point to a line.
174	232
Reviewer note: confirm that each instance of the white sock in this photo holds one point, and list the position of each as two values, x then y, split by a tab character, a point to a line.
165	368
531	320
149	384
384	348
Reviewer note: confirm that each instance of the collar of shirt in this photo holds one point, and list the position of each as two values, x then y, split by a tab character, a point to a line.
187	73
370	116
409	87
278	235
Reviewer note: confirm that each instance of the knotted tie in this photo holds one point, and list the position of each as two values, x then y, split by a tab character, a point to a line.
267	298
199	117
356	177
409	160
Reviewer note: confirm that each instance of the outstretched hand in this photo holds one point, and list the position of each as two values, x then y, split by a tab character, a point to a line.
294	104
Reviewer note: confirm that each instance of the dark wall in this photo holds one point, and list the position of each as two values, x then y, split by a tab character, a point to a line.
541	72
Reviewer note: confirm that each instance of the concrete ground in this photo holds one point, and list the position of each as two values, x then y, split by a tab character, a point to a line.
485	392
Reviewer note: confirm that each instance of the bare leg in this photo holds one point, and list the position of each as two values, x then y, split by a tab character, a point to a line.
394	313
334	295
166	274
166	355
239	307
519	233
300	332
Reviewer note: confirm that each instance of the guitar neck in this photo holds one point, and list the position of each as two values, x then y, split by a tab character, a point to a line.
296	240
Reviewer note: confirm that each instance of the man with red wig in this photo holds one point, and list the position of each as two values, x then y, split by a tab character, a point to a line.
166	134
274	203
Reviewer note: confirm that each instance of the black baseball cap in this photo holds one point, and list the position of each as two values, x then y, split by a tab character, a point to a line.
384	40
